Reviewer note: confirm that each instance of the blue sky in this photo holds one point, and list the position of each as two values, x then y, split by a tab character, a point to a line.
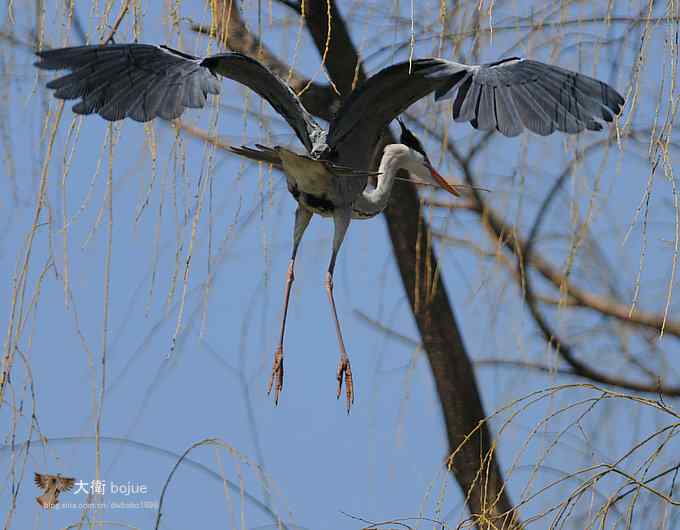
384	460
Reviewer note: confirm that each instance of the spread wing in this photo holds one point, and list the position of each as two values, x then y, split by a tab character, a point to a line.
65	483
510	95
41	480
143	81
515	94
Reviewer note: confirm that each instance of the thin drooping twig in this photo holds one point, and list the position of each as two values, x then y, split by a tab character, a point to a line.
16	320
217	443
116	23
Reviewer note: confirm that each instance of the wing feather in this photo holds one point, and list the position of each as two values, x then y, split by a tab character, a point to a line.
467	101
84	79
509	121
485	116
531	113
194	96
124	94
560	119
146	106
40	480
66	483
171	106
573	87
460	99
143	81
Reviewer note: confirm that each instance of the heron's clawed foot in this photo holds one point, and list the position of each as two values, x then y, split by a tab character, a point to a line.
345	374
276	380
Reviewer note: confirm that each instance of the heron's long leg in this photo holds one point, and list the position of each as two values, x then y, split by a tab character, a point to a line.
342	219
302	218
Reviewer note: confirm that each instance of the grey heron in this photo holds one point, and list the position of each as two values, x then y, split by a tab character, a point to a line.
143	81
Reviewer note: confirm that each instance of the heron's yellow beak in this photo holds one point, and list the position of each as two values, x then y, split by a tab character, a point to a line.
441	181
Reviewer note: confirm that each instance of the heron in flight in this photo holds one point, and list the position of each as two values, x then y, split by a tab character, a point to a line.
331	178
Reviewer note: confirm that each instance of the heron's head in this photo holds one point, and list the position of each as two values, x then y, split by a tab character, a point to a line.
418	162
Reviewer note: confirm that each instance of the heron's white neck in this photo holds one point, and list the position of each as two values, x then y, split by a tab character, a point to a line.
373	201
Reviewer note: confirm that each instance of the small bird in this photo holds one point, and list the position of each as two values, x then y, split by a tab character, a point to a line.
144	81
52	485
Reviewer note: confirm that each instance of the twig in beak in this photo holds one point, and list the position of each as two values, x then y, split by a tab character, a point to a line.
419	182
